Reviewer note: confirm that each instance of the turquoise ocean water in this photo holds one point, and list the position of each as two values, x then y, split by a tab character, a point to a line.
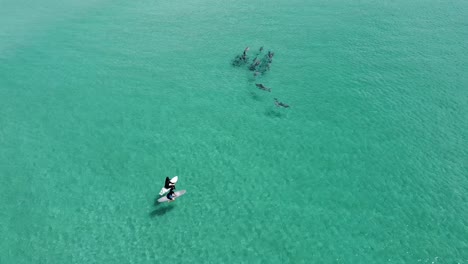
101	100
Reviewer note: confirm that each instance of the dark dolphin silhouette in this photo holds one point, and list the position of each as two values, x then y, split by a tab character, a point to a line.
280	104
263	87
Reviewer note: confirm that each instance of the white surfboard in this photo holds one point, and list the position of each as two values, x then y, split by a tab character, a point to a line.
177	195
164	190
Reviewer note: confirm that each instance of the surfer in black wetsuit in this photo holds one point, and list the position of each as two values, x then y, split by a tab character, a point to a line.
168	184
171	195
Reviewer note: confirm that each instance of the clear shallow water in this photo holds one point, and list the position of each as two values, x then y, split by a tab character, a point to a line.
101	100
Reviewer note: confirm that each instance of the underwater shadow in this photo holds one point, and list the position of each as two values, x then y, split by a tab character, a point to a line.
162	211
156	203
255	96
273	113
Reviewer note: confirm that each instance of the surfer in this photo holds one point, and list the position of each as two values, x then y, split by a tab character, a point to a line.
263	87
171	195
280	104
168	184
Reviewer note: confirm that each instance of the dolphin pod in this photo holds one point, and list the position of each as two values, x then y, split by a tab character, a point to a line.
260	64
